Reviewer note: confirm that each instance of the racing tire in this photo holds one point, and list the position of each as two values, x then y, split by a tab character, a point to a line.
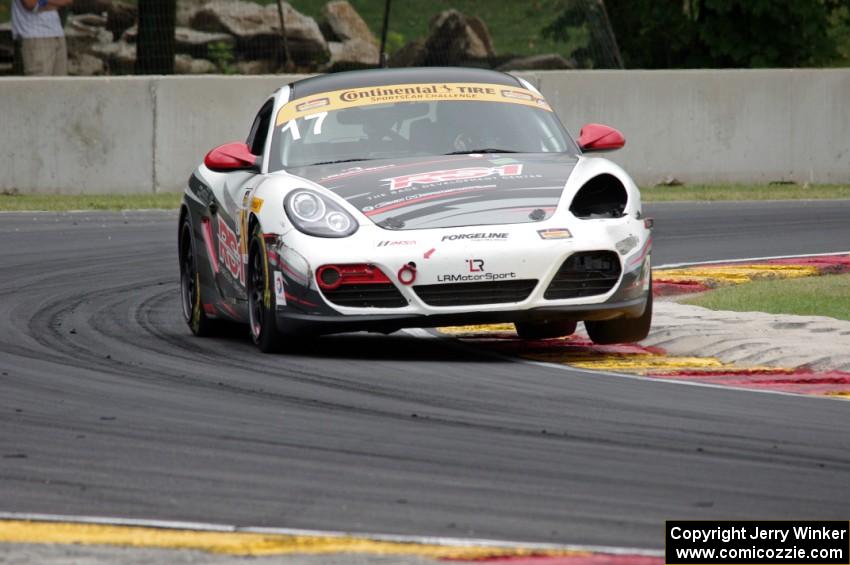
191	298
545	329
622	330
262	318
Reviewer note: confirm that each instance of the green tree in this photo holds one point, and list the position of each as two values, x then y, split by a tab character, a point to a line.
718	33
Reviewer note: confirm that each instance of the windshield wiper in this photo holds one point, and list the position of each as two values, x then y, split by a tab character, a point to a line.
486	150
340	161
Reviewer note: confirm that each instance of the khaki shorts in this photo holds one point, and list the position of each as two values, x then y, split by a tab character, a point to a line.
44	56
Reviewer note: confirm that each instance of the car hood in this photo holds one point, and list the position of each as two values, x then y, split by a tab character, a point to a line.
450	190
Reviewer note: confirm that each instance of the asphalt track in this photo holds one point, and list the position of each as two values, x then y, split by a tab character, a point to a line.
109	407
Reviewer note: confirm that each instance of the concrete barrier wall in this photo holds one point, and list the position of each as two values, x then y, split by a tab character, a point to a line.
145	134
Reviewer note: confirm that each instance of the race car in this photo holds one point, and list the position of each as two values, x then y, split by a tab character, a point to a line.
385	199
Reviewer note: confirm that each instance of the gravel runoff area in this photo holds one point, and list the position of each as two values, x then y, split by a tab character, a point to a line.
751	338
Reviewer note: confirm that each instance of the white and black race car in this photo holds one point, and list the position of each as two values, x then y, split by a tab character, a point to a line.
383	199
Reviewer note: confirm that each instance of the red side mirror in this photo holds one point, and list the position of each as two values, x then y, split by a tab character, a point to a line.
231	157
598	137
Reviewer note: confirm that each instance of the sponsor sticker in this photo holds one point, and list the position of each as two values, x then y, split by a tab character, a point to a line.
279	289
256	205
483	236
312	104
447	175
447	91
228	251
389	243
475	277
554	233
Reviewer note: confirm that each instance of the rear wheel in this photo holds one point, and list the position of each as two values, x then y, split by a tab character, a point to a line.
261	299
545	329
190	286
623	330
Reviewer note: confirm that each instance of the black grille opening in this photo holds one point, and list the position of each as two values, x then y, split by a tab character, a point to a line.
378	295
585	274
468	294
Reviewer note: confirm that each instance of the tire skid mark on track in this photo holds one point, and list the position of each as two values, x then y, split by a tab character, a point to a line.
90	359
174	444
87	358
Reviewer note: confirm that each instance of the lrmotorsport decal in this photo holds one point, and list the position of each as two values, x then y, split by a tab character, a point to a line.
228	251
467	173
458	277
368	96
475	265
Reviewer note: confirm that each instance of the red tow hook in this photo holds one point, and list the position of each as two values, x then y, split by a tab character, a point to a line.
407	274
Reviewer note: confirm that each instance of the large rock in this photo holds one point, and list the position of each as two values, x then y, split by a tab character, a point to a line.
196	43
257	29
454	41
482	33
186	10
186	65
85	65
189	41
411	54
345	23
353	54
119	15
85	30
119	57
256	67
546	61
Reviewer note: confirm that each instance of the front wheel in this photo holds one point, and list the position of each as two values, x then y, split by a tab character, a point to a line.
261	299
545	329
622	330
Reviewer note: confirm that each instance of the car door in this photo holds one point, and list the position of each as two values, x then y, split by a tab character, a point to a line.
231	222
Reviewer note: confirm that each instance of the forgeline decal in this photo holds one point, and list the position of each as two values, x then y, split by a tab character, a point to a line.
467	173
497	236
228	251
448	91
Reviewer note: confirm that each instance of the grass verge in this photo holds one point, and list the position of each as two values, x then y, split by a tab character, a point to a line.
66	202
705	192
60	203
810	296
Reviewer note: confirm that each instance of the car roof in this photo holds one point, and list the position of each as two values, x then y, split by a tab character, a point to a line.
384	77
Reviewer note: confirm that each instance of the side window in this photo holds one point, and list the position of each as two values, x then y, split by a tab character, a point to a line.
260	129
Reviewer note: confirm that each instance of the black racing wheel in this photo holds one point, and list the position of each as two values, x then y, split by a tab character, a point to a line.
261	299
190	286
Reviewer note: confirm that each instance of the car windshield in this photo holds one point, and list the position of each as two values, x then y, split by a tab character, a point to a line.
361	124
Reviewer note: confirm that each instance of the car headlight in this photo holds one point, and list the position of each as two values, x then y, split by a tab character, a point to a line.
314	214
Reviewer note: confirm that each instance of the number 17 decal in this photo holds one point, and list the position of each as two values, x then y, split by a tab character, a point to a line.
292	125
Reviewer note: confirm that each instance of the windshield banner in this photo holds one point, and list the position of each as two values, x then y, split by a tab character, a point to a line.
426	92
